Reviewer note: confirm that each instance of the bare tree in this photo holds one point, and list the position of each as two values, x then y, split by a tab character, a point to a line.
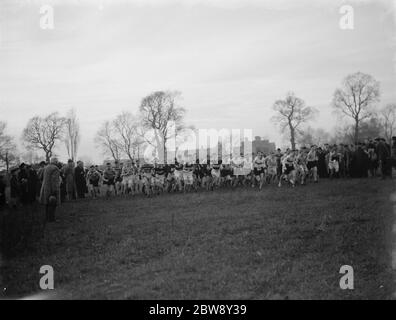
356	97
160	112
128	137
141	140
7	146
388	120
105	138
291	113
72	134
42	133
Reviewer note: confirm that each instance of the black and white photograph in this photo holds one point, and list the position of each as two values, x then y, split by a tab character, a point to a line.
201	155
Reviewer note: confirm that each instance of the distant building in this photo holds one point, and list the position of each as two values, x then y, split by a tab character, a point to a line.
262	145
259	144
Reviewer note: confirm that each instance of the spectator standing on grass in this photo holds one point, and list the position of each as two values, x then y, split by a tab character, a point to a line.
14	188
393	154
383	153
80	179
347	161
62	177
358	159
388	167
32	183
50	189
23	184
322	169
373	161
2	191
69	180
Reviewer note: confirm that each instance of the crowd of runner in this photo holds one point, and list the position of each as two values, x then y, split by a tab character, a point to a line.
288	168
292	167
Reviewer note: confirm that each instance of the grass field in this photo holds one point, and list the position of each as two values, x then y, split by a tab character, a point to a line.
228	244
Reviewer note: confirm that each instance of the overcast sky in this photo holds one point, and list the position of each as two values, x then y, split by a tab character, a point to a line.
230	59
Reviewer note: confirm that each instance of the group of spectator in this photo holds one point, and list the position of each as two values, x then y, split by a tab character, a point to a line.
364	159
31	183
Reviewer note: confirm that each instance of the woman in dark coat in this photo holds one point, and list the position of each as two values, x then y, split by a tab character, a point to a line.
50	189
63	183
361	164
14	188
68	172
32	184
23	184
79	176
322	167
353	164
2	191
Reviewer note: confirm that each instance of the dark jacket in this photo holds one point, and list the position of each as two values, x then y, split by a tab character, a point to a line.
383	151
2	192
51	184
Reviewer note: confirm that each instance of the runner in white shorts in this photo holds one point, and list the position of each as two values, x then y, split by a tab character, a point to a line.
188	176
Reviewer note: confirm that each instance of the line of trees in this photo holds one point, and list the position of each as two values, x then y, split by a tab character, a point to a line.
160	118
43	134
292	113
356	98
129	134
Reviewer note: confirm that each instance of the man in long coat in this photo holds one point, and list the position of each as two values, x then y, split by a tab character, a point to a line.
23	179
362	161
383	152
50	188
69	179
32	183
79	176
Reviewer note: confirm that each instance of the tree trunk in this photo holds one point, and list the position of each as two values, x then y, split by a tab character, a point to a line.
165	152
292	137
130	156
356	133
7	162
48	156
115	158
